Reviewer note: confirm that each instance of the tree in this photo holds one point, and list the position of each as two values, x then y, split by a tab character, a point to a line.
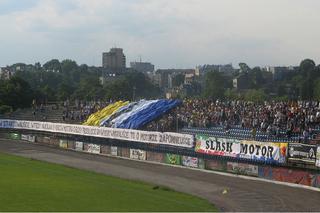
53	65
244	67
317	89
65	91
231	94
255	95
307	67
16	93
89	89
177	80
214	85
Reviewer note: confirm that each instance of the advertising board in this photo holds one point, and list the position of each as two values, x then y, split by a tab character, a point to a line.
173	159
78	146
302	152
254	150
63	144
93	148
190	161
137	154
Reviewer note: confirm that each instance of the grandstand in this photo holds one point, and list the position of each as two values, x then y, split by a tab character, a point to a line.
175	118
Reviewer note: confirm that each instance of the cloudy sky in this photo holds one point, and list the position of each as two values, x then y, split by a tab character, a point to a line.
168	33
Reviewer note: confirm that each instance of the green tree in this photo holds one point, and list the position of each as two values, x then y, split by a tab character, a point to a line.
244	67
177	80
53	65
214	85
16	93
255	95
307	68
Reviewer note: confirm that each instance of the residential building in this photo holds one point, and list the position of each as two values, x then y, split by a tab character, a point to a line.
114	59
241	82
5	73
280	72
226	69
165	76
144	67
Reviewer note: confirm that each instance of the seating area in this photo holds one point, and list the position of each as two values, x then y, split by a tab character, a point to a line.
242	134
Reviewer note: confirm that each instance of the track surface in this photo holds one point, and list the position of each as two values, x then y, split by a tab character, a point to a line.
242	195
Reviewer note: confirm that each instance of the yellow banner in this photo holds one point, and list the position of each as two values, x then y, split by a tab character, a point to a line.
96	118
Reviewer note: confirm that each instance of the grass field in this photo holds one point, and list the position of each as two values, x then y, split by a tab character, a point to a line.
30	185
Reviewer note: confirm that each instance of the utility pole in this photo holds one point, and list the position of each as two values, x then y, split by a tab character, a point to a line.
134	93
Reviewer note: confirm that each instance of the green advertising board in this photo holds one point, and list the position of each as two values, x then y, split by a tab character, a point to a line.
14	136
173	159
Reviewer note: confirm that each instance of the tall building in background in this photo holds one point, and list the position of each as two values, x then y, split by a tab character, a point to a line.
144	67
114	59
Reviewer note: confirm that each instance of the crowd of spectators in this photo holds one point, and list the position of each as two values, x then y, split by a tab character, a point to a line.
79	111
270	117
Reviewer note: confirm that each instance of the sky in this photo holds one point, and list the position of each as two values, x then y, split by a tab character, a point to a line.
167	33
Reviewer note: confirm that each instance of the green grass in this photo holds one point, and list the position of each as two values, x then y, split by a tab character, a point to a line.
31	185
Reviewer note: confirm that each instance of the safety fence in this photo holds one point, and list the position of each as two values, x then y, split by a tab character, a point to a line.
174	157
203	146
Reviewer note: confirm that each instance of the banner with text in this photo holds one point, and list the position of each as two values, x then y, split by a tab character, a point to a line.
166	138
254	150
28	138
172	159
217	146
190	161
138	154
302	152
63	144
114	150
93	148
79	146
318	156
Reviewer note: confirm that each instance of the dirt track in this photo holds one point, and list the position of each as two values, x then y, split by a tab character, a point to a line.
242	195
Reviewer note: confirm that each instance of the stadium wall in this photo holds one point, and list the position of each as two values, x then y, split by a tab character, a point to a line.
270	172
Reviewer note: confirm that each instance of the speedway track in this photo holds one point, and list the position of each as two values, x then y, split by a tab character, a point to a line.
242	194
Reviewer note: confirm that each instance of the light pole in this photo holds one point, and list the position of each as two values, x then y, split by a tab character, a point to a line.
134	93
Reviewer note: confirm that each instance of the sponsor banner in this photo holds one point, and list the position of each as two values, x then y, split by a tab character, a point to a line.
190	161
217	146
172	159
93	148
54	142
292	176
63	144
263	151
220	165
316	182
166	138
105	149
318	157
14	136
28	138
265	172
201	163
155	157
138	154
254	150
242	168
114	150
70	144
302	152
79	146
124	152
46	140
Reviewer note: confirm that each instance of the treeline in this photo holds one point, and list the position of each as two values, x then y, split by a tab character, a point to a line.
59	81
302	83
